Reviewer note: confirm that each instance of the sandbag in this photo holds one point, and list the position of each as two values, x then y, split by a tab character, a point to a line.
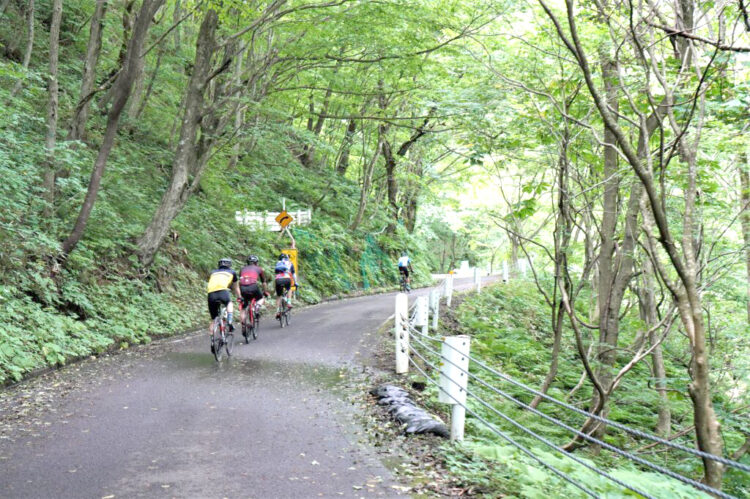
403	409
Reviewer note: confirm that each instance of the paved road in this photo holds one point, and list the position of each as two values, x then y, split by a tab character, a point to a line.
167	421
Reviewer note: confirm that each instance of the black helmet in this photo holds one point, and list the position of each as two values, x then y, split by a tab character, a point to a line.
283	256
225	262
252	259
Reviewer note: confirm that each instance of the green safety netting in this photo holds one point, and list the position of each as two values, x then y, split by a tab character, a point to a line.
319	257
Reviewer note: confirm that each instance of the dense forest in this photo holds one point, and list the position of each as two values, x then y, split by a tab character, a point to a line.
600	145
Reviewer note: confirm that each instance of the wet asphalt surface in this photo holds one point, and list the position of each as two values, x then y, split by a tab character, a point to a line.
277	420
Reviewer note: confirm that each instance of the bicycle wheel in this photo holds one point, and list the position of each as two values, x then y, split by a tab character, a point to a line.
287	314
254	328
216	340
246	328
229	343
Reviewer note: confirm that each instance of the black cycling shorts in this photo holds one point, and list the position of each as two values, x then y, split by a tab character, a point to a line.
404	270
215	300
283	285
250	292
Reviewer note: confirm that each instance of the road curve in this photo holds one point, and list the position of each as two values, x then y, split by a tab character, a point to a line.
167	421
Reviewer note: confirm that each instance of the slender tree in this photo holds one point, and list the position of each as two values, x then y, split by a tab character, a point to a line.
77	129
52	109
120	94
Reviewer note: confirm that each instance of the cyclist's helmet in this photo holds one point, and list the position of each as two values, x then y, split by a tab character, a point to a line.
283	256
404	253
252	259
225	262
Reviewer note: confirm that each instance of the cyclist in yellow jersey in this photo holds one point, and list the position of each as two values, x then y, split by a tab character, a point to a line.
218	286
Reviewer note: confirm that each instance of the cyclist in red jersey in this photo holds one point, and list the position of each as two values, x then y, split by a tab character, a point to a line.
252	283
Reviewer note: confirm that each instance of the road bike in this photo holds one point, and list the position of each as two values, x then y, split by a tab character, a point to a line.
222	340
285	310
404	284
251	321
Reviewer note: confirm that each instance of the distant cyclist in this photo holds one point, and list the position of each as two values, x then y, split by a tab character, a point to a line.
286	277
218	286
404	265
252	282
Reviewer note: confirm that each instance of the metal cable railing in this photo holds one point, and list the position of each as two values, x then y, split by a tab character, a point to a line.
508	438
616	450
609	422
537	436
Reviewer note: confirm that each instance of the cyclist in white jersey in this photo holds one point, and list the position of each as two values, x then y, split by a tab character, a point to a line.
404	266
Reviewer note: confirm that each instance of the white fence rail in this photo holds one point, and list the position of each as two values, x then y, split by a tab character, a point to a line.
266	220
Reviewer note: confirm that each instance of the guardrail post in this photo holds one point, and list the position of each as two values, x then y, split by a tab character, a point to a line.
420	318
477	280
435	307
401	333
453	380
505	270
449	289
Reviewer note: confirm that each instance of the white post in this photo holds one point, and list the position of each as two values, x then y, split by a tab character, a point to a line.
420	318
477	280
435	306
453	380
401	333
505	270
449	289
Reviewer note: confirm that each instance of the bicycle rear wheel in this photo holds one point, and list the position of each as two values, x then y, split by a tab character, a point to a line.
254	329
286	316
216	340
229	343
217	347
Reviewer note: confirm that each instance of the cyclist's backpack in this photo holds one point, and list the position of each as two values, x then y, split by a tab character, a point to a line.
281	267
248	276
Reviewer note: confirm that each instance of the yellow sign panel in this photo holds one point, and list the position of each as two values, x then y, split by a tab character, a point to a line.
292	252
284	219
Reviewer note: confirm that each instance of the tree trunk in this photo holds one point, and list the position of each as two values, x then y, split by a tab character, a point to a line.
134	103
29	47
239	114
77	129
127	28
187	158
150	87
176	14
745	218
52	108
609	305
649	315
391	184
120	94
562	237
307	156
367	179
343	162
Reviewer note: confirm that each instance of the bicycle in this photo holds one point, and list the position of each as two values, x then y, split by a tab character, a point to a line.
251	321
404	284
221	337
285	310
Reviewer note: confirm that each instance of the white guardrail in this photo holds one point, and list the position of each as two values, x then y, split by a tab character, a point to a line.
449	360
